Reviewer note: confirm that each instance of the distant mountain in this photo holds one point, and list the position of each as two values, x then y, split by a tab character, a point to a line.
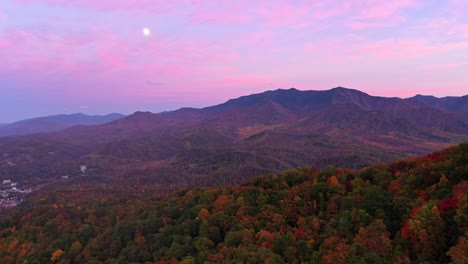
241	138
452	104
54	123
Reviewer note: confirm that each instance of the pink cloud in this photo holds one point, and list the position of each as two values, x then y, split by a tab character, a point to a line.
298	15
284	14
220	13
377	9
369	24
459	30
441	66
244	81
322	10
110	62
54	58
407	48
3	15
449	27
266	13
375	13
457	8
158	6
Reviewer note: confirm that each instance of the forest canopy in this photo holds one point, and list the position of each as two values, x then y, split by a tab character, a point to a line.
406	211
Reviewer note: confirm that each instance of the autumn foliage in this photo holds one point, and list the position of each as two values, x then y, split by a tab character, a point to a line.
383	214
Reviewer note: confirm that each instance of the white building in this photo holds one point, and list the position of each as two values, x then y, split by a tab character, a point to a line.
6	181
83	168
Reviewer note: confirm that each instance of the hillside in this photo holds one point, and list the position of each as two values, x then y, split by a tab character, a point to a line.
53	123
410	211
239	139
451	104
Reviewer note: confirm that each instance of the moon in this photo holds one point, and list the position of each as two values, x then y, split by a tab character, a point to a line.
146	32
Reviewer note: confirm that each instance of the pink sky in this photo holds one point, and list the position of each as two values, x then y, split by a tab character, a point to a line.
61	56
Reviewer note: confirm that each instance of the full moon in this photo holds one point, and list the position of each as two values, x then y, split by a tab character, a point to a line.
146	32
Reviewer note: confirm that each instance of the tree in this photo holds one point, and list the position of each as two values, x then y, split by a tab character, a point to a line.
461	216
56	255
265	238
374	238
459	252
428	227
203	214
220	203
448	204
75	249
280	244
334	251
203	244
333	180
233	239
139	238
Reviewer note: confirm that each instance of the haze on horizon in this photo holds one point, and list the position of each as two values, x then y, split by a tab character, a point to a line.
97	57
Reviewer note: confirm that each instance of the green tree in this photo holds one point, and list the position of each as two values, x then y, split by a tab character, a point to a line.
428	226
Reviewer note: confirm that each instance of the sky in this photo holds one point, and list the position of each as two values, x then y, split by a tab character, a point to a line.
89	56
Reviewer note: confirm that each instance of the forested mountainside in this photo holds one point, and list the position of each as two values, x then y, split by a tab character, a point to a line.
242	138
450	103
410	211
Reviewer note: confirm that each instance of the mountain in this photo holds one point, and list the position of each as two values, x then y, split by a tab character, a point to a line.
245	137
409	211
54	123
452	104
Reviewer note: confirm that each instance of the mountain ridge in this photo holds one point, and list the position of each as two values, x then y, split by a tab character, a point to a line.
449	103
242	138
54	123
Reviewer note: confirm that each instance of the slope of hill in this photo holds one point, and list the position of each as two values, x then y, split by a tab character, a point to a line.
239	139
412	211
54	123
451	104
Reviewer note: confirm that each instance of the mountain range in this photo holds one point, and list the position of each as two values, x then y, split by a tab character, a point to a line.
242	138
54	123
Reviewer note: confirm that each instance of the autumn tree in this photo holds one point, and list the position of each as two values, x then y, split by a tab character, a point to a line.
459	252
56	255
334	251
374	238
428	226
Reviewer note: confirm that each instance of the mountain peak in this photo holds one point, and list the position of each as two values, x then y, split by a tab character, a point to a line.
143	115
292	89
348	90
424	96
340	88
139	121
